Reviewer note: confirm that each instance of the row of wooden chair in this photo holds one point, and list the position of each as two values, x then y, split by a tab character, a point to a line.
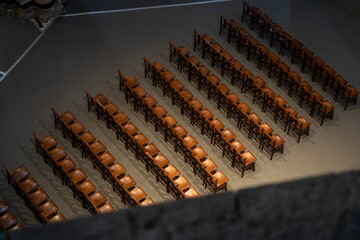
34	196
139	144
71	175
201	117
173	132
102	160
262	94
249	121
8	220
301	54
307	96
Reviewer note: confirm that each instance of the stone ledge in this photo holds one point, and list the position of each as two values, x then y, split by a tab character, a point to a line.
326	207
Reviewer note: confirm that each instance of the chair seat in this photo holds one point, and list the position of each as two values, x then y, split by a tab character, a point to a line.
96	199
227	56
130	128
204	70
208	165
48	209
140	139
194	61
126	182
223	88
161	161
86	187
97	148
248	158
139	92
191	193
206	114
171	171
137	194
77	176
199	153
279	100
29	185
266	91
265	128
111	108
217	124
77	128
20	174
196	104
236	65
158	66
244	107
254	117
228	135
149	101
259	82
167	75
131	82
4	207
176	85
213	80
67	165
48	142
183	51
87	137
106	208
57	218
217	47
67	118
179	131
220	177
186	95
290	111
207	38
273	57
147	202
106	158
302	123
169	121
7	221
189	142
116	170
121	118
38	197
181	183
151	149
233	98
160	111
276	140
101	99
237	146
57	154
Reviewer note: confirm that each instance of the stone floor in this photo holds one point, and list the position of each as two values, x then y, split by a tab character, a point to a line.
79	53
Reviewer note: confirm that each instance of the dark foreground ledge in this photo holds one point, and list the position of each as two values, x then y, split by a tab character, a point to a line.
326	207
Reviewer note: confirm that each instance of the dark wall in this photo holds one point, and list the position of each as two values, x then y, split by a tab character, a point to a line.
326	207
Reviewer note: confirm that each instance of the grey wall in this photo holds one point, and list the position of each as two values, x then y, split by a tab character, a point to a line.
326	207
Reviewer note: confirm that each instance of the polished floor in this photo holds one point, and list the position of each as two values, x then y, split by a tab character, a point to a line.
78	53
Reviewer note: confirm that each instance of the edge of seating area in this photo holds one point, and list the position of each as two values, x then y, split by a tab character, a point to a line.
147	152
315	103
74	177
321	72
8	220
102	160
34	196
174	133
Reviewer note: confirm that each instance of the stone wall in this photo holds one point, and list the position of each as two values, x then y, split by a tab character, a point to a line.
326	207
